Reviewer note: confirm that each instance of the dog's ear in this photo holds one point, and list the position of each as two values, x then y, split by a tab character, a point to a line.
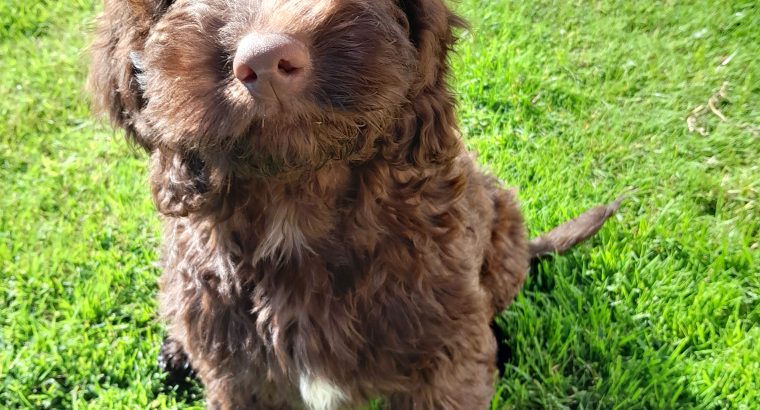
431	25
121	32
433	125
182	183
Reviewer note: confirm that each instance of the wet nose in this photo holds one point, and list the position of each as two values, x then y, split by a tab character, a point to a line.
269	63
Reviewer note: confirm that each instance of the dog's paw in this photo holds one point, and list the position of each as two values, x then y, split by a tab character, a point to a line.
173	360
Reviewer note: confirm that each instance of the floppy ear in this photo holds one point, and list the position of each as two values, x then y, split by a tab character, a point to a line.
182	183
433	125
431	25
121	32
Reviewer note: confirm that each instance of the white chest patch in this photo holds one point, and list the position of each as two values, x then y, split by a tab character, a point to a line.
320	394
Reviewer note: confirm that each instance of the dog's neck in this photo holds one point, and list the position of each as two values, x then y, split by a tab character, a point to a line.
289	217
286	217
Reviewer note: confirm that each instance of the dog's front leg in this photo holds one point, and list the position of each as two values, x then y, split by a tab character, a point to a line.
239	390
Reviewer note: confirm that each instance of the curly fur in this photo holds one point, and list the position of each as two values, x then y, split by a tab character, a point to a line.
337	248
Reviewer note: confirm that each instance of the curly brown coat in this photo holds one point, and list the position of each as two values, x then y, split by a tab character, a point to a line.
334	248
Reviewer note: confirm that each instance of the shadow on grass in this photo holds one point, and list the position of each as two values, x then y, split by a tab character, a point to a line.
187	391
563	338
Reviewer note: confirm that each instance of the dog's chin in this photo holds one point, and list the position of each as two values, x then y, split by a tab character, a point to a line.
287	147
270	108
265	106
262	136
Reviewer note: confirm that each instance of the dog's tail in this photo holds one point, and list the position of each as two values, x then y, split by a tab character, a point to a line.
574	231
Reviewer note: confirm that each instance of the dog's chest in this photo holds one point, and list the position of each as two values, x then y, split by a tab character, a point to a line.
310	306
281	234
307	333
299	312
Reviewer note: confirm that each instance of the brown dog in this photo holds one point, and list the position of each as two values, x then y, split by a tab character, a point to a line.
328	240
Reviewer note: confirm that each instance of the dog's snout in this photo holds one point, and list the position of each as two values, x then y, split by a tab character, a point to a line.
272	63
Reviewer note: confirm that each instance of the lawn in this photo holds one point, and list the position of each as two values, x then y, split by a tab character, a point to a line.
572	102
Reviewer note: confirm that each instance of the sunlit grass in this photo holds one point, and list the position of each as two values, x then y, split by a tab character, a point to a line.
573	103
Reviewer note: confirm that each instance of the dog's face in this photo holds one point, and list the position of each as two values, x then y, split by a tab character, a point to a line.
297	80
279	84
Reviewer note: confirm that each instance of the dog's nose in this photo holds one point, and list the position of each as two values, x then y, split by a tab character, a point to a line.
271	64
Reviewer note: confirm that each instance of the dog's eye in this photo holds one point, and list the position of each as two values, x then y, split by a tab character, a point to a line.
137	83
137	64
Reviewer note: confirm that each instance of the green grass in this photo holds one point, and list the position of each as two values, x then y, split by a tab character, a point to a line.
572	102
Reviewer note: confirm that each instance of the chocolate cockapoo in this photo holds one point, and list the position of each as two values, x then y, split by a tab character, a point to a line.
328	241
